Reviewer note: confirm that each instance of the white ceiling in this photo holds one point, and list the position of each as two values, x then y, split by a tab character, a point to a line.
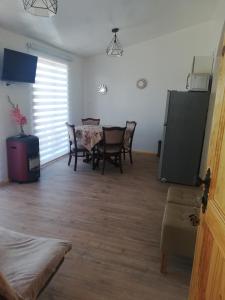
84	26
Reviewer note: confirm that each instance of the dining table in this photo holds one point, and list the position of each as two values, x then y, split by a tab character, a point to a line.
90	135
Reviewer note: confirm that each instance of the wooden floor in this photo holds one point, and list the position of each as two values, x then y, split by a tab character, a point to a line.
114	223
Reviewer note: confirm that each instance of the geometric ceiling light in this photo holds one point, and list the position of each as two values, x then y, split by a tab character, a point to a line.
42	8
115	48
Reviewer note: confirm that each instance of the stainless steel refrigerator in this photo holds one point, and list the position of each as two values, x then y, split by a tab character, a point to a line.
183	136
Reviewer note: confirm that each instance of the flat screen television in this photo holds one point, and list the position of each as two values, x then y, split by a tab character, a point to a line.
19	67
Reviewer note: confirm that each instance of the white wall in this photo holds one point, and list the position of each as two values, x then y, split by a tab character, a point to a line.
22	94
164	62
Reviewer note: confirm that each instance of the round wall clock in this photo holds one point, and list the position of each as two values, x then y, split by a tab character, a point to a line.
142	83
102	89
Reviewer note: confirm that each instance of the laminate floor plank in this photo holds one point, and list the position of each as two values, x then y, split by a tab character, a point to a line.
114	223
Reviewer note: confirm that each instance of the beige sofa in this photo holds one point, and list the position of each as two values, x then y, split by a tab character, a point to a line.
28	263
179	225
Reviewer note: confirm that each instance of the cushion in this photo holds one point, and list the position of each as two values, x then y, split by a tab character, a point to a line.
190	196
27	262
178	234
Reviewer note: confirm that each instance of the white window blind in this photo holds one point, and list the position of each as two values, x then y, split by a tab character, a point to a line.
50	108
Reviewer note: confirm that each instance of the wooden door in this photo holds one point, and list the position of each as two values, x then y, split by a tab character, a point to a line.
208	274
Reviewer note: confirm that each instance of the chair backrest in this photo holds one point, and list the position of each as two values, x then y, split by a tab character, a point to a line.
130	129
90	121
113	136
72	135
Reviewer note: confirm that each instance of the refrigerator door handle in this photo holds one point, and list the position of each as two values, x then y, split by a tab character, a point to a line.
187	82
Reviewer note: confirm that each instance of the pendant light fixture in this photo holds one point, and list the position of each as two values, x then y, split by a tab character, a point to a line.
115	48
42	8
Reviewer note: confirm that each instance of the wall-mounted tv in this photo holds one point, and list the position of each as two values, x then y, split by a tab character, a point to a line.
19	67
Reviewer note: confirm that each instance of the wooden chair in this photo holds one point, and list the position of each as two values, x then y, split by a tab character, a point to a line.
90	121
127	146
75	148
111	146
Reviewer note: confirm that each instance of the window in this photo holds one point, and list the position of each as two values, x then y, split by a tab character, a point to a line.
50	108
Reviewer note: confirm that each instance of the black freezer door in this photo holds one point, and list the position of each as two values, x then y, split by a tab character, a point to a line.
184	130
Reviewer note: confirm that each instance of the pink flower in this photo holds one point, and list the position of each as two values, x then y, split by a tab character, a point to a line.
17	116
23	120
